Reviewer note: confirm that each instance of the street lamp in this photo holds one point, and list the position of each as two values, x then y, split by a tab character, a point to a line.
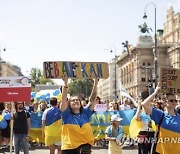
115	76
155	42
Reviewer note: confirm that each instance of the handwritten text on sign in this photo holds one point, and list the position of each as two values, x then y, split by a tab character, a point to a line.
169	80
76	69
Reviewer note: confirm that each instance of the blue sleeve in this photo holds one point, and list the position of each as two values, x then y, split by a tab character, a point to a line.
87	111
156	115
65	113
108	131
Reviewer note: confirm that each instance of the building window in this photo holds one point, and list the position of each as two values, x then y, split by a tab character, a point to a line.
143	75
143	79
149	64
144	64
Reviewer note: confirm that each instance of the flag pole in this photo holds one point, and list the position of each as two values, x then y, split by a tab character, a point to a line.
11	126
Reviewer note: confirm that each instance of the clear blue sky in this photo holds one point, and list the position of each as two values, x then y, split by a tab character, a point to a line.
35	31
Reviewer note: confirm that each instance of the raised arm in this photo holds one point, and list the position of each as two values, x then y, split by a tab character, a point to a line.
92	97
64	105
138	112
146	102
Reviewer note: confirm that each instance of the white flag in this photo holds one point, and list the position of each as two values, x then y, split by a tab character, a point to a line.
126	94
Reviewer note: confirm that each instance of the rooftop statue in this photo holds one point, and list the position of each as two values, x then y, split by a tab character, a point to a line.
144	28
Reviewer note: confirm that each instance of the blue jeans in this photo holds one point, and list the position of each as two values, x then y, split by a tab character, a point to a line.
20	141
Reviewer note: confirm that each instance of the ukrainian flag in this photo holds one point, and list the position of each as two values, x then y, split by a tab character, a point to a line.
36	127
53	126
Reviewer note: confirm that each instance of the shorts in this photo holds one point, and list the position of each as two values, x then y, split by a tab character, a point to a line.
57	143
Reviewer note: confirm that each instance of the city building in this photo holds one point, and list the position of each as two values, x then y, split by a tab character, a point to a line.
8	69
135	68
106	87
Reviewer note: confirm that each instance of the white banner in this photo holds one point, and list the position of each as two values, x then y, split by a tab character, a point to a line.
18	81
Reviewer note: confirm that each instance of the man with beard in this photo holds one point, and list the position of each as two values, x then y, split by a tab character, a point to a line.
21	128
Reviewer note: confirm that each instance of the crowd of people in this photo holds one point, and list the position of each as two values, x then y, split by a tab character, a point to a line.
76	136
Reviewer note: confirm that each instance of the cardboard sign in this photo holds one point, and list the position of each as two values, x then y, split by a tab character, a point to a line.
56	70
15	89
100	108
170	80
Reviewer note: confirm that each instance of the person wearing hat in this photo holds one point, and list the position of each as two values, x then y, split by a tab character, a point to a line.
112	135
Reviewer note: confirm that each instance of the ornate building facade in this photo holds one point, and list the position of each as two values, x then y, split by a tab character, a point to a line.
136	70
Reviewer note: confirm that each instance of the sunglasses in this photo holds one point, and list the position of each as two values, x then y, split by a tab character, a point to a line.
173	100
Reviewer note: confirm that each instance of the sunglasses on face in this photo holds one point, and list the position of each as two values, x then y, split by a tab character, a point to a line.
173	100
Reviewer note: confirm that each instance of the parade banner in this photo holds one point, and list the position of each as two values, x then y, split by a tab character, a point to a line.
59	69
99	122
15	89
169	80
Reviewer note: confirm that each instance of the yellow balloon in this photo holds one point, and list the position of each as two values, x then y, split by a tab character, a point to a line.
134	128
59	97
38	94
1	117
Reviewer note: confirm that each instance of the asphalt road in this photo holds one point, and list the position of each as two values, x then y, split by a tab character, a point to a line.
96	150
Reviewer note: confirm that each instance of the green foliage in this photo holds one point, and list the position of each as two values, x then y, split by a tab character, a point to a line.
38	78
80	87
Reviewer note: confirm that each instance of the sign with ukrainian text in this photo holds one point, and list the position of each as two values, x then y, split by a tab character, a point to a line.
15	89
169	80
59	69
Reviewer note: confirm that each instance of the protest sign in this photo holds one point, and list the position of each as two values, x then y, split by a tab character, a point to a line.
100	108
15	89
169	80
59	69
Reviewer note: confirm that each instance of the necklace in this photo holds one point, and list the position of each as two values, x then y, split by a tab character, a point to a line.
77	116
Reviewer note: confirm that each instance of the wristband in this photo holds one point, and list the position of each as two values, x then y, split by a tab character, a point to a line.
65	86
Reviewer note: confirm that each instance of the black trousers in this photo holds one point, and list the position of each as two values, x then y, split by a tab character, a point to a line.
83	149
145	147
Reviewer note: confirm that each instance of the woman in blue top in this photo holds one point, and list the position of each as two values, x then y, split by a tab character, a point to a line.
114	134
169	122
77	136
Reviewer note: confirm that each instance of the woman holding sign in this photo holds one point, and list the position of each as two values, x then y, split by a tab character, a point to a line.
168	123
77	135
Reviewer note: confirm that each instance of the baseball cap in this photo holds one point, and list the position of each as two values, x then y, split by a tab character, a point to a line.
116	118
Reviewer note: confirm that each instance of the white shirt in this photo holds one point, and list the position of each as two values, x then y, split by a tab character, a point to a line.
125	107
45	113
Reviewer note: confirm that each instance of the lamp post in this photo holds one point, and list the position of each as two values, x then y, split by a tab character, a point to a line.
155	42
115	68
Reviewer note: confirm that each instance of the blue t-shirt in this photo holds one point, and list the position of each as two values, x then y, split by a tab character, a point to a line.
169	135
77	118
118	131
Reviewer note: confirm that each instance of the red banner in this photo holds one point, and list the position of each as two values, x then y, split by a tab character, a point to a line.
15	94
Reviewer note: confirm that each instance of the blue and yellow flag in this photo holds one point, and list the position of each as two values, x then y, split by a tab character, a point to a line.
99	122
53	126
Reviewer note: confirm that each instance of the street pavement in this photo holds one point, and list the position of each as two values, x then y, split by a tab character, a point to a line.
96	150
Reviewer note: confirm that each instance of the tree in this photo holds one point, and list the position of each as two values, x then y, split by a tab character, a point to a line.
38	78
81	87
